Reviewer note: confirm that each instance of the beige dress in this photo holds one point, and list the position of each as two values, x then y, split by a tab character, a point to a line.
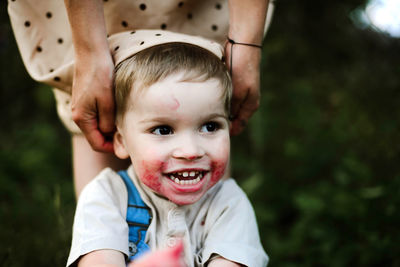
43	33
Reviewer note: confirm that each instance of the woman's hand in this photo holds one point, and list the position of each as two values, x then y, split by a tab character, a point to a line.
246	25
246	83
92	89
93	99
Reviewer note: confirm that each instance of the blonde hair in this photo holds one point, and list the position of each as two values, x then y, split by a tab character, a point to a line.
158	62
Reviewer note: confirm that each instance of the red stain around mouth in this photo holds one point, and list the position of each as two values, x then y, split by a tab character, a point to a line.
218	170
151	174
151	180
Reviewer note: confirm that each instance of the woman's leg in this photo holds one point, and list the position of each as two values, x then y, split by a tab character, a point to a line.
87	163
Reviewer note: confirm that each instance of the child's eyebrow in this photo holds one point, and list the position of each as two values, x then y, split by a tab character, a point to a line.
168	119
215	115
158	119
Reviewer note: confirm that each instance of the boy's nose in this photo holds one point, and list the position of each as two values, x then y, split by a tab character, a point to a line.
188	148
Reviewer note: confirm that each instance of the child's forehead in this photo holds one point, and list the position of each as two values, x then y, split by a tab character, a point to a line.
178	86
173	93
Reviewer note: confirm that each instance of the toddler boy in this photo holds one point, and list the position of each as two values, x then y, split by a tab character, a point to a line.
172	94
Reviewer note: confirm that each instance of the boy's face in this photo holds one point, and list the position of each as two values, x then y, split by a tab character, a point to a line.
177	136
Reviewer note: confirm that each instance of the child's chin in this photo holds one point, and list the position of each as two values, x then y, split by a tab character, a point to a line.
185	200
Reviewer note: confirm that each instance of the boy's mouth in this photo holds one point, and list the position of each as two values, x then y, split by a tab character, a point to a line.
186	177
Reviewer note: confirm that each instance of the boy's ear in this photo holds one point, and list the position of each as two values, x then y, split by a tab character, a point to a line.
119	146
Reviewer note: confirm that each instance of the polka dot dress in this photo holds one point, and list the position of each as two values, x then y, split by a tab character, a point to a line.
42	32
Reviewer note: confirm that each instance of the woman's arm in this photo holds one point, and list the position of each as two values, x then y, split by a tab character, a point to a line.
246	25
92	89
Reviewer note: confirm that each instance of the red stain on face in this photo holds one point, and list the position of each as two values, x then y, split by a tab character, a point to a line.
172	103
151	180
218	170
176	104
150	173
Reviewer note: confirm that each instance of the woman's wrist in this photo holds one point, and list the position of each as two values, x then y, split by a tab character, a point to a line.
234	42
241	35
247	20
96	54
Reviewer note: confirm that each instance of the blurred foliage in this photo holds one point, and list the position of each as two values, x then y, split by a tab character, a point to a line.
36	192
319	160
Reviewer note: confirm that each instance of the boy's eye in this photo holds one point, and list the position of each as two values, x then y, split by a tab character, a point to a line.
162	130
209	127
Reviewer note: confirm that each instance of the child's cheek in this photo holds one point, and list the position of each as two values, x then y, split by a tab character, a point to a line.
218	170
218	165
151	173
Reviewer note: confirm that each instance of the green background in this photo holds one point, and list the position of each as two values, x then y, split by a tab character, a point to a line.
319	160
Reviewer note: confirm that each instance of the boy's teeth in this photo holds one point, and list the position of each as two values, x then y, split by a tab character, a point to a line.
195	175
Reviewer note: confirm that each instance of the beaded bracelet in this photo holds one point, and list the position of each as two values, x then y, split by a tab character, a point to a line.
237	43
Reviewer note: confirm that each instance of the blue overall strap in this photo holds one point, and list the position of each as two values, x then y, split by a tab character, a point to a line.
138	217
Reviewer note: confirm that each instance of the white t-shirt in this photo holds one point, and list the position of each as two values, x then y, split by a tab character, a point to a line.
222	222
